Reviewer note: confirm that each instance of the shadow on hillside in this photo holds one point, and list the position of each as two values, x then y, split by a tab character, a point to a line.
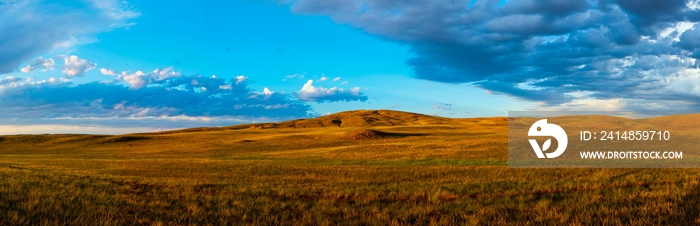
688	210
120	139
394	134
374	134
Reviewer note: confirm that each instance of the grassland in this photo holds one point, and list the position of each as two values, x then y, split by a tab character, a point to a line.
360	167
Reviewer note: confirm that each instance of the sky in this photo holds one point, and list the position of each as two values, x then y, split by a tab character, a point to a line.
109	66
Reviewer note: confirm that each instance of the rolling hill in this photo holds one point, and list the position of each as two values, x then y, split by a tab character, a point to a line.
358	118
362	118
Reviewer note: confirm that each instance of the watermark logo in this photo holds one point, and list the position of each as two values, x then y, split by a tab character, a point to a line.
542	128
586	139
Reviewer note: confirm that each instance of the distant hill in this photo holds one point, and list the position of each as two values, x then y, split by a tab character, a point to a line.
363	118
357	118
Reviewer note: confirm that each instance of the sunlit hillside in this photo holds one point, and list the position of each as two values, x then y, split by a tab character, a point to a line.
359	167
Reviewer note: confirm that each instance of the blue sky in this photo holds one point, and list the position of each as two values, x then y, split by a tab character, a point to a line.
115	67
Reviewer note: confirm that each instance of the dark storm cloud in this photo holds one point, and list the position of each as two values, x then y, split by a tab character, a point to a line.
647	13
539	50
547	7
690	41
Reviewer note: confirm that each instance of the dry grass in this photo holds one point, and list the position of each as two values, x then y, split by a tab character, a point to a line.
421	170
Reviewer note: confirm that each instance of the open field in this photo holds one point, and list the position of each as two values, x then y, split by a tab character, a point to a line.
361	167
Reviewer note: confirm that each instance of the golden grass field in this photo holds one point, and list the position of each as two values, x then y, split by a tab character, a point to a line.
356	168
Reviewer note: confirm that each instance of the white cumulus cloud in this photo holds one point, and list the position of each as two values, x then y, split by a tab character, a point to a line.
240	79
106	71
266	93
311	93
39	63
139	79
74	66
